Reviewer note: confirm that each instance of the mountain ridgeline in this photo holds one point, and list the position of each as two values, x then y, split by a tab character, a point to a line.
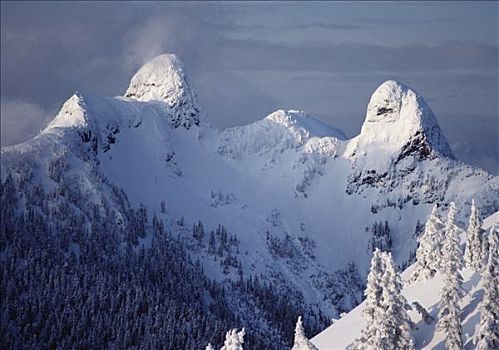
132	222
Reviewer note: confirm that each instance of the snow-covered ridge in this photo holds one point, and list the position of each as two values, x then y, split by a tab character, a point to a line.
160	89
302	123
398	121
279	131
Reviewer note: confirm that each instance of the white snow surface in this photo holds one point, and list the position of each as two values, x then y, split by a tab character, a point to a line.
395	115
161	79
72	114
345	330
286	174
278	132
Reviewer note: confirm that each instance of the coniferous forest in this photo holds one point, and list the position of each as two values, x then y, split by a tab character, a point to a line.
75	277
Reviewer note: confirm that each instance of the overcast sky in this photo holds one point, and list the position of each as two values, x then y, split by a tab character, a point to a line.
248	59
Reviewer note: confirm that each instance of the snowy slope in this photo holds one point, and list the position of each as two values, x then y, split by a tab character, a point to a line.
300	197
343	331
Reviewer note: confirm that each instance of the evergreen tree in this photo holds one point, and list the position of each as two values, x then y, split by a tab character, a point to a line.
487	336
234	340
474	254
429	253
373	292
449	315
301	341
385	311
396	306
381	237
209	347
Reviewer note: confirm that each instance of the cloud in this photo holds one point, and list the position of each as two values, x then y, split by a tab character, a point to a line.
260	54
188	35
146	40
240	101
467	153
20	121
478	144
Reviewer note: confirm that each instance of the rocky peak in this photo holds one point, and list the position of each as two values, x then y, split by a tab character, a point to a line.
399	122
163	79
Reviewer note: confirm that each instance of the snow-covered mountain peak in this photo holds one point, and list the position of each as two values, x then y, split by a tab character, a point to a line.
385	103
397	117
160	79
72	113
400	132
163	79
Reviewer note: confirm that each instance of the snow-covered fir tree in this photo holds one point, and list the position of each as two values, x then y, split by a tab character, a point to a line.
234	340
209	347
373	294
449	321
385	311
474	254
487	336
301	341
396	306
429	253
452	256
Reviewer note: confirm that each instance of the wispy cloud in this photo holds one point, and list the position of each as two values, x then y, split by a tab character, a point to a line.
20	121
150	38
